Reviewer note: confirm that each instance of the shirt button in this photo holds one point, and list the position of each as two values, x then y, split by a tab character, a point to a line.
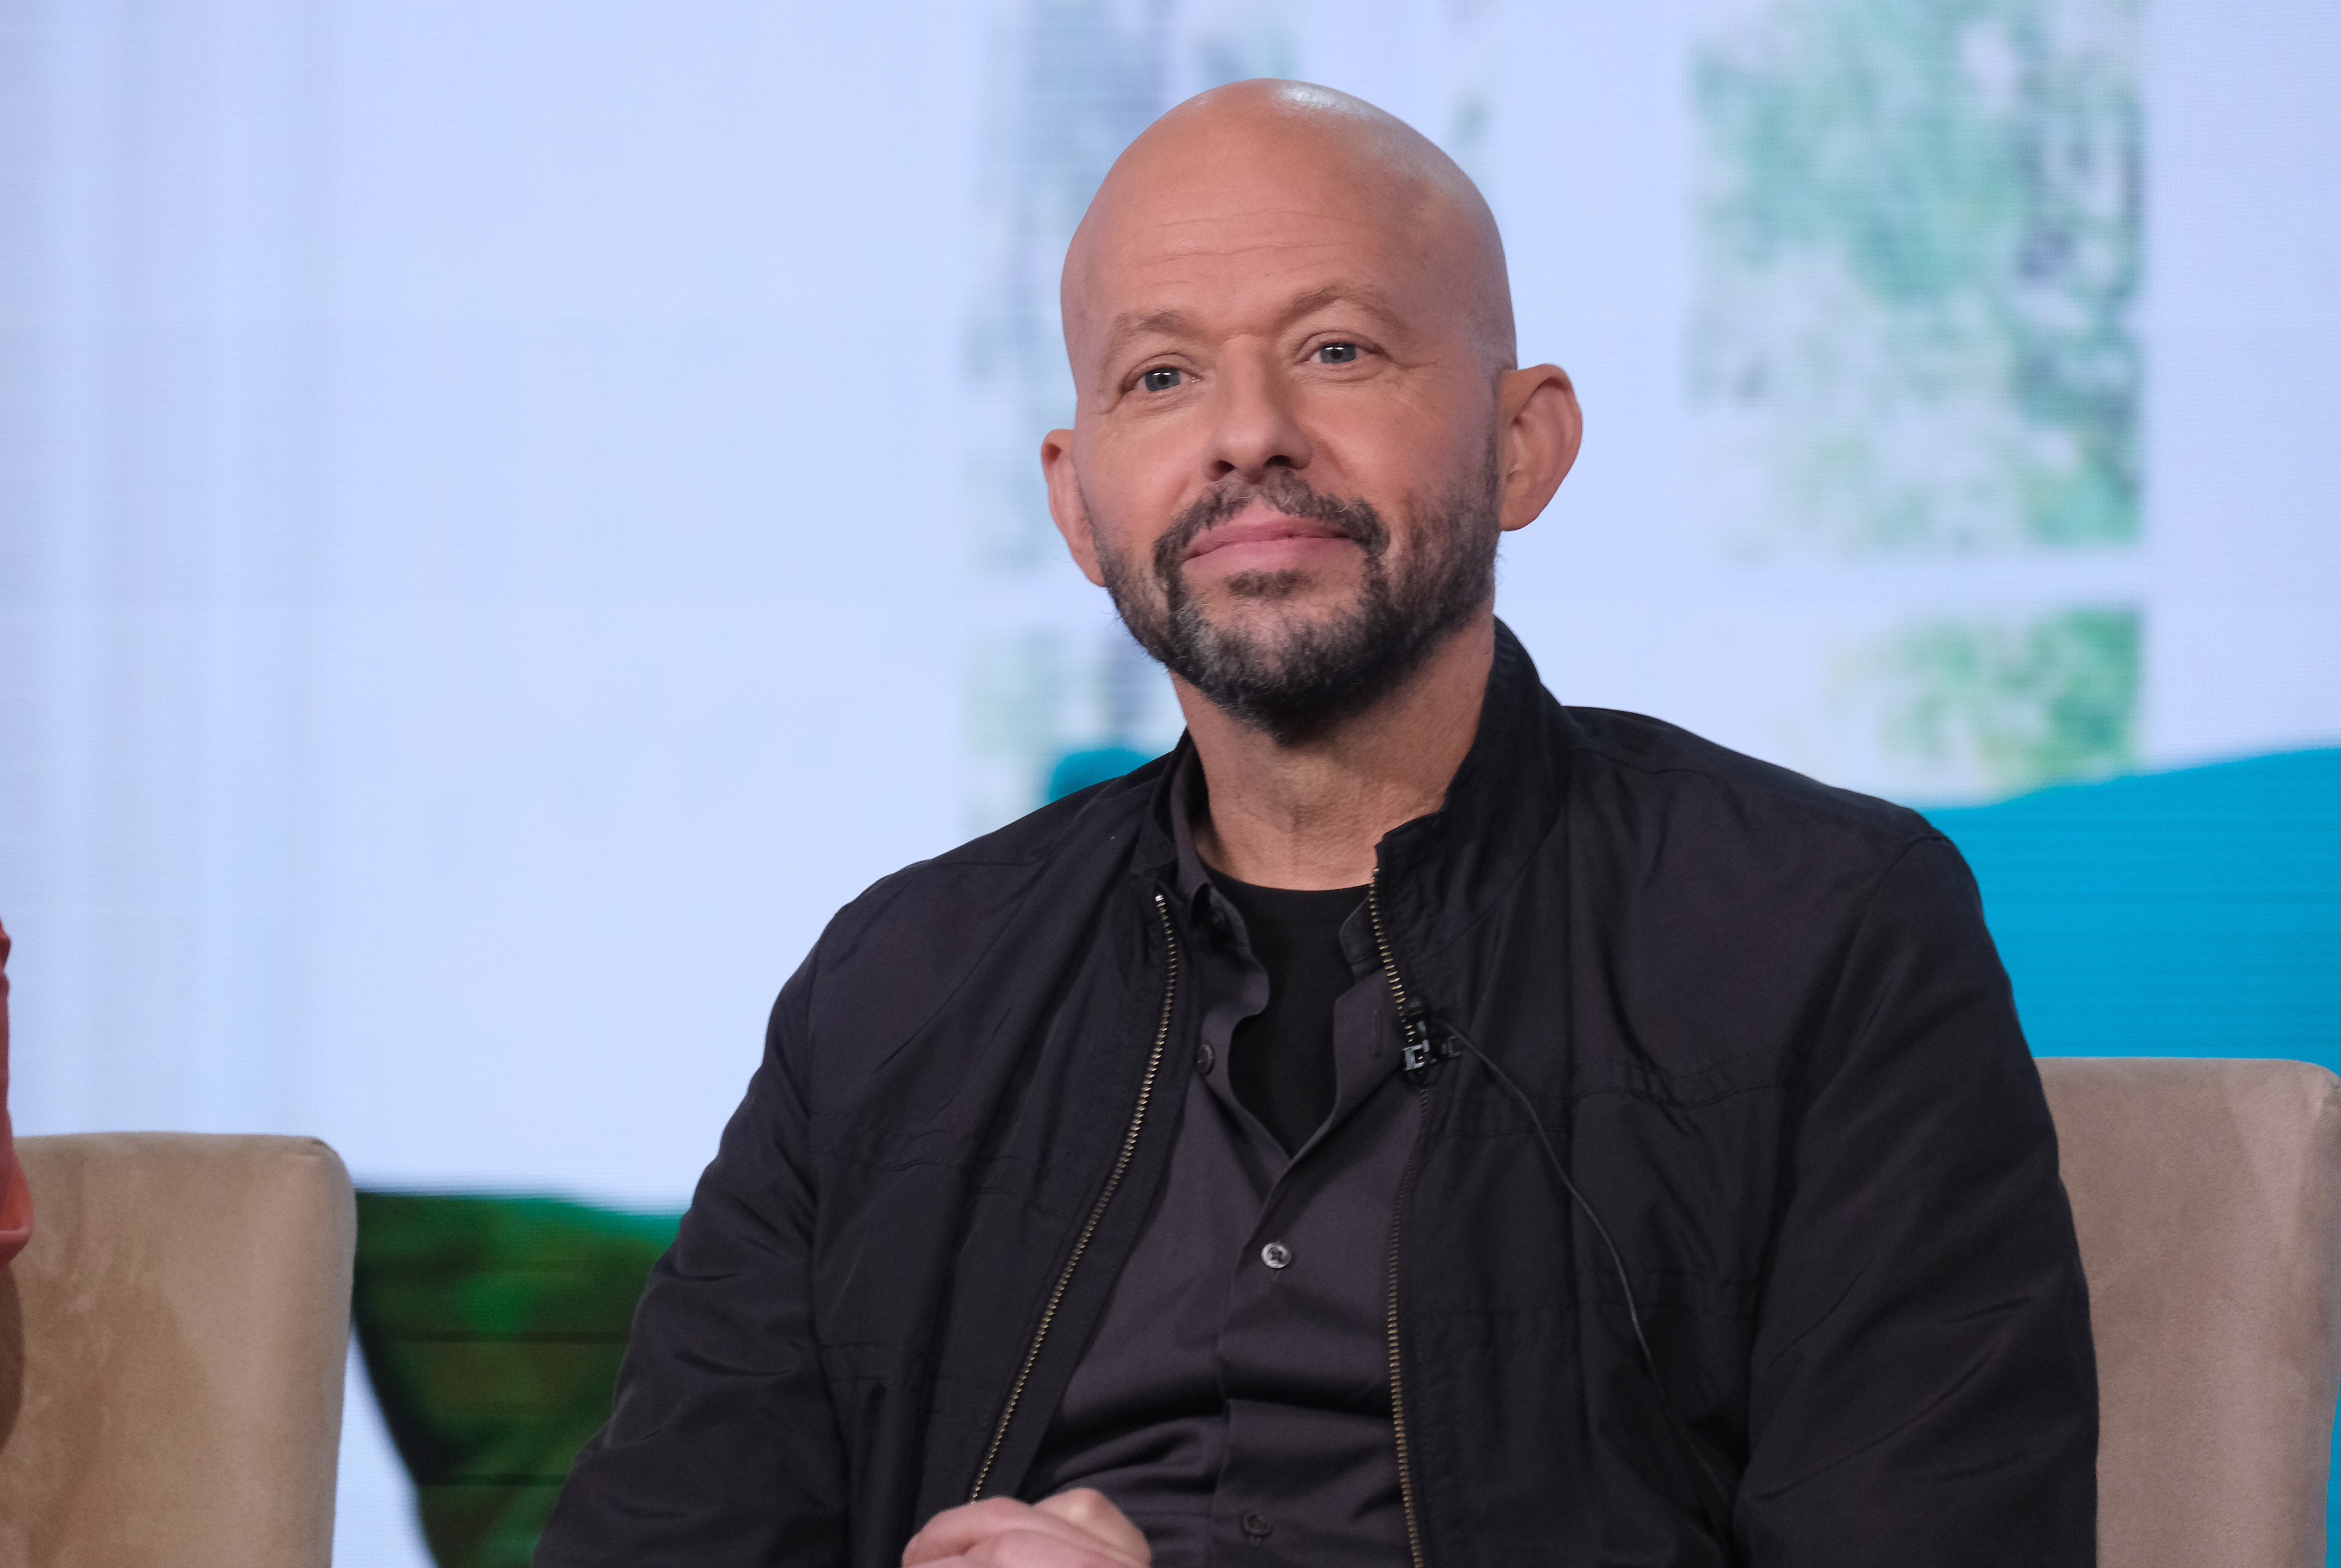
1204	1059
1276	1254
1257	1525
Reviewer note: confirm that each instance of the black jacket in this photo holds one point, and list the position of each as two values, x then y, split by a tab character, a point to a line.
1761	1019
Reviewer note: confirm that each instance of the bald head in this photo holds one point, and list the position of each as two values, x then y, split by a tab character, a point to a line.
1228	170
1299	429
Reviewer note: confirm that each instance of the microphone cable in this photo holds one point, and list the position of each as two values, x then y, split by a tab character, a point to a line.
1707	1487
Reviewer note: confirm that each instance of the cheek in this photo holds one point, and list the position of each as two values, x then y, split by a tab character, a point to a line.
1140	457
1401	451
1133	494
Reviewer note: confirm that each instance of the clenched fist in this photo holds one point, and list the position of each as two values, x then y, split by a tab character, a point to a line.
1076	1529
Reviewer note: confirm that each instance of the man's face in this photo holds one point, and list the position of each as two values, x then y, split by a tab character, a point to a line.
1284	463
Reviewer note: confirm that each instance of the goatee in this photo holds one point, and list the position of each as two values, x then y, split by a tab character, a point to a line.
1302	677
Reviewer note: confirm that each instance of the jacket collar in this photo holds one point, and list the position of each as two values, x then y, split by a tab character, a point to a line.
1440	873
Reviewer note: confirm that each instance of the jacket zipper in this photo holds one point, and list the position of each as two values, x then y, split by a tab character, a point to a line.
1416	1055
1097	1210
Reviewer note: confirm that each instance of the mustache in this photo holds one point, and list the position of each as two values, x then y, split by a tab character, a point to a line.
1281	491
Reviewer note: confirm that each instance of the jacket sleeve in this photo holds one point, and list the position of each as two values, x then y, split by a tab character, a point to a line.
722	1451
1923	1386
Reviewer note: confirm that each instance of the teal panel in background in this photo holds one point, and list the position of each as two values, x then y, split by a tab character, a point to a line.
2196	913
1077	771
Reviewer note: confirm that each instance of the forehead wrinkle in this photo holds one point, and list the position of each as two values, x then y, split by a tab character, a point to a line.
1365	296
1168	241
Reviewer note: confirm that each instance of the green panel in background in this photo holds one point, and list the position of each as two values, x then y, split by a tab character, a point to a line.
492	1329
1922	237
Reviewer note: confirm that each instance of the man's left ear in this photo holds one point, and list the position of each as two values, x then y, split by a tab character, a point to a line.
1537	446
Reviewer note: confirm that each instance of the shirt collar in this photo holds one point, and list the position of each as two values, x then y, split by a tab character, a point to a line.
1190	879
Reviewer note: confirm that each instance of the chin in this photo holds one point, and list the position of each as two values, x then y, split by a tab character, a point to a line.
1283	610
1280	587
1291	590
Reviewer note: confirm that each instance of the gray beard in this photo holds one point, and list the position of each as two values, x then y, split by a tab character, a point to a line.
1297	681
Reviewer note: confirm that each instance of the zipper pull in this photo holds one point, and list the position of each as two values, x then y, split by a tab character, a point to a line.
1426	1044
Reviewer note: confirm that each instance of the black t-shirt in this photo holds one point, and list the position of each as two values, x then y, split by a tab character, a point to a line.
1280	1059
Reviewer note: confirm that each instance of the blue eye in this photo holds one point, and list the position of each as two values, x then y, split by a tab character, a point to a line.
1337	354
1161	378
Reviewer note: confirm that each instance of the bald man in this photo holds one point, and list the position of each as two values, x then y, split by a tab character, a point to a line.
1411	1122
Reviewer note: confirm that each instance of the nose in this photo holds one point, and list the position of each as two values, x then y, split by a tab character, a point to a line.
1258	426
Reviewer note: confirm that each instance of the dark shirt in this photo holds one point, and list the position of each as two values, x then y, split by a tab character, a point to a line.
1235	1400
1280	1061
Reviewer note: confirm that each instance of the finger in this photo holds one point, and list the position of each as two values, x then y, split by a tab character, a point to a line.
956	1531
1038	1547
1087	1508
967	1530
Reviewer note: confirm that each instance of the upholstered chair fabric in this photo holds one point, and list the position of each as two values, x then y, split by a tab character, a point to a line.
2208	1195
172	1346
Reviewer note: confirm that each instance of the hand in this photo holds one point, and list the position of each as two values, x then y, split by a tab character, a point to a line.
1076	1529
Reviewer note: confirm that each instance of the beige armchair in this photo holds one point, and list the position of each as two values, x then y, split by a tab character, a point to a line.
2207	1195
171	1354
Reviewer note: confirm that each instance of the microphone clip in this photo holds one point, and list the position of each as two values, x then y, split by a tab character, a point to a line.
1426	1044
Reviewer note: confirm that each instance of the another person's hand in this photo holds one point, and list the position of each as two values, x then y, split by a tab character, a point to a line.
1076	1529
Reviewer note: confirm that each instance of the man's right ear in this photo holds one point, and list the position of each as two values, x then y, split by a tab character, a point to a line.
1070	514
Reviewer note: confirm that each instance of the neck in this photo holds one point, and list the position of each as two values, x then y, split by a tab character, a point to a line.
1309	815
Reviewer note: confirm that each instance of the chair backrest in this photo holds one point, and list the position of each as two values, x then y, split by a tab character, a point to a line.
172	1345
2207	1197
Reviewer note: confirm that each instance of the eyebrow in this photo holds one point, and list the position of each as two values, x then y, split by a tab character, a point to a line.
1176	324
1166	323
